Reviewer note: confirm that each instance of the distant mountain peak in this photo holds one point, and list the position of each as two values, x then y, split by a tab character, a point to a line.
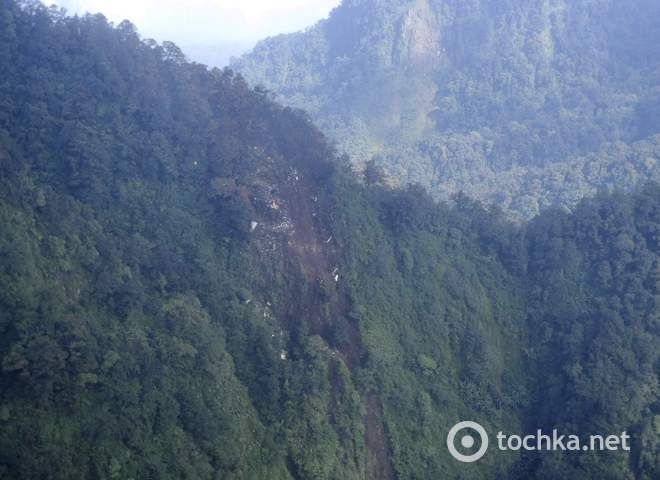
494	98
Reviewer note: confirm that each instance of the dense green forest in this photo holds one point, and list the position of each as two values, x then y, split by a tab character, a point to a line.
526	104
194	284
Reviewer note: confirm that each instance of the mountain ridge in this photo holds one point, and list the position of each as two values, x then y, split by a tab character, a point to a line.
194	284
469	96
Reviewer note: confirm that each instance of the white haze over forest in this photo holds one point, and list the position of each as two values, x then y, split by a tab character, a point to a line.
209	31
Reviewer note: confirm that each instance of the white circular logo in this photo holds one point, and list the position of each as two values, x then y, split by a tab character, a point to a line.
467	441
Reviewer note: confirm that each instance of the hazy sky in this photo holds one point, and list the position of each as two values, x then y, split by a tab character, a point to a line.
209	31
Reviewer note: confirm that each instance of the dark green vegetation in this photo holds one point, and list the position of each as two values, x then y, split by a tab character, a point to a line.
522	103
193	285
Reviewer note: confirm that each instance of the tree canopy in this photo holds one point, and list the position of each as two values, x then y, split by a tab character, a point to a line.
193	284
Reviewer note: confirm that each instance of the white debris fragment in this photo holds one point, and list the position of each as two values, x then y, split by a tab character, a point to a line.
329	239
253	225
283	355
336	277
285	226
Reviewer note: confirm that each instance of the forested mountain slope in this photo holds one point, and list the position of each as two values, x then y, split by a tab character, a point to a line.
193	285
524	104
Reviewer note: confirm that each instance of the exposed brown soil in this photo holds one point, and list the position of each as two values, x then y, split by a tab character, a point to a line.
379	467
318	256
311	248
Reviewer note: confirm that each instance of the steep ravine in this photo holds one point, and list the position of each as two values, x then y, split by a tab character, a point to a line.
290	229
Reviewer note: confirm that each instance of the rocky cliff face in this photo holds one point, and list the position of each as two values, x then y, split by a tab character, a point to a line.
418	43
